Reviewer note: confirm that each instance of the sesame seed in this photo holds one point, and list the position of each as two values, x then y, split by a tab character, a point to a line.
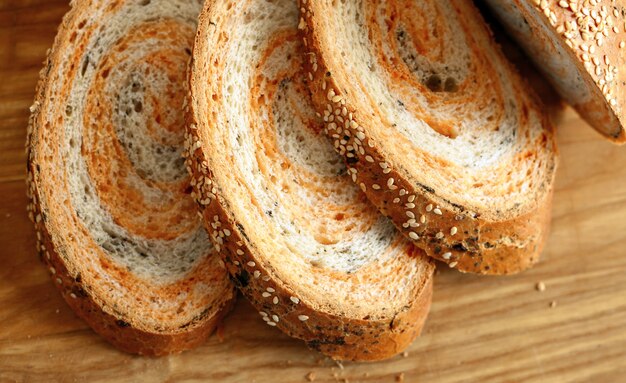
376	187
73	295
275	300
429	208
447	255
437	211
270	290
266	295
275	318
303	318
273	324
423	218
251	264
413	235
439	235
257	274
454	230
453	264
263	313
295	300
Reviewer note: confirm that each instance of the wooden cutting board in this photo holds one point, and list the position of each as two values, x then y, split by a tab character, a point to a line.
481	329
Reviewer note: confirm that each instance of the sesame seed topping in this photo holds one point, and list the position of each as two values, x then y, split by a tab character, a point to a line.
257	274
270	290
453	264
266	295
275	300
439	235
413	235
437	211
429	207
273	324
73	295
295	300
251	264
447	255
303	318
454	230
275	318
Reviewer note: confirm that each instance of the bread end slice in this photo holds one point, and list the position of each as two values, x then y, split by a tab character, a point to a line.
581	49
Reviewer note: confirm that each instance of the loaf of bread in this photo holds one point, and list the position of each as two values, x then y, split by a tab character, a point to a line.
581	48
299	238
437	128
115	223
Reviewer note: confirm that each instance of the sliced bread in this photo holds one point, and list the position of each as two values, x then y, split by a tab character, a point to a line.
436	127
109	193
581	48
301	241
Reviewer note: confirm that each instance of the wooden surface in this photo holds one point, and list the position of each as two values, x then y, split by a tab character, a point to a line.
480	329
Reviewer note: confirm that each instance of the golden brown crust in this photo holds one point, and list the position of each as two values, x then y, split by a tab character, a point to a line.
120	330
593	33
445	231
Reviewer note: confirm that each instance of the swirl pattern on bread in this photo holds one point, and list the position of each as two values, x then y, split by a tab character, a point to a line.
109	190
301	240
443	135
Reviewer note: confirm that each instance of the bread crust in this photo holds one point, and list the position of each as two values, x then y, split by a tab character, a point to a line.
595	45
121	331
448	232
342	337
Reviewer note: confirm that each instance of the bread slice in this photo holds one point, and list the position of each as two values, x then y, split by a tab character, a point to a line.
302	242
109	191
581	48
436	127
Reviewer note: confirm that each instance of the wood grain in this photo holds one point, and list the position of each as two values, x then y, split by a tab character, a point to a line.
484	329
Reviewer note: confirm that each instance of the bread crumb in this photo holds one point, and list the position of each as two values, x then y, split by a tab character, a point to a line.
540	286
552	304
405	354
400	377
310	376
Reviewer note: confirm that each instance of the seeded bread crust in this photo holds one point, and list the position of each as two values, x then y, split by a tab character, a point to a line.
581	48
125	332
449	232
338	335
